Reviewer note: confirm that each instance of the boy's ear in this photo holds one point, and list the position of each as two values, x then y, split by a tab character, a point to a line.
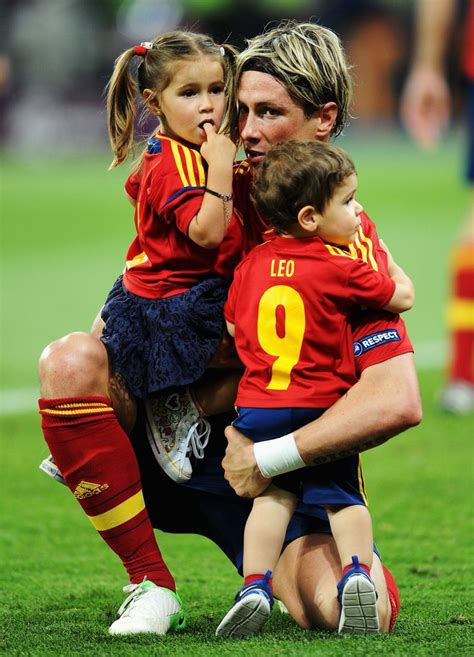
308	218
151	101
327	118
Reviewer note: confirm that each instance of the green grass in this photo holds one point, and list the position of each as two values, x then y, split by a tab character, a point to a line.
66	227
61	585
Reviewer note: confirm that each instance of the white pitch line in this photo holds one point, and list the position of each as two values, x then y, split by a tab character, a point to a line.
429	355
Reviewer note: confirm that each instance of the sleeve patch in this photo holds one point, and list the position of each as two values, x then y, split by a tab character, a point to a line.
375	340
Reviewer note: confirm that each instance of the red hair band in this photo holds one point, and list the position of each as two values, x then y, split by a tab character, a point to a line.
143	48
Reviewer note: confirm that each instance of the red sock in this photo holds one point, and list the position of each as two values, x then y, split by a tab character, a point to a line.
97	460
249	579
393	596
365	568
461	314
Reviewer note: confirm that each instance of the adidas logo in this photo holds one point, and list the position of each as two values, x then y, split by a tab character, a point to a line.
88	489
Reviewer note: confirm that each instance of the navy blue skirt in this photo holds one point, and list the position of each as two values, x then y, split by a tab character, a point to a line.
160	343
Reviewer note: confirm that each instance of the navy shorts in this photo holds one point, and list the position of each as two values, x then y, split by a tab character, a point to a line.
337	483
207	505
157	344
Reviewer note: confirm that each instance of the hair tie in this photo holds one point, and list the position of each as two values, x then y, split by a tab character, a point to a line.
143	48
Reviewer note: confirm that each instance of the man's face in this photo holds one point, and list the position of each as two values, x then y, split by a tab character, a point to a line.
269	116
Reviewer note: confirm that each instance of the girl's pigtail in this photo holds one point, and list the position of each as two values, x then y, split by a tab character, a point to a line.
230	64
121	107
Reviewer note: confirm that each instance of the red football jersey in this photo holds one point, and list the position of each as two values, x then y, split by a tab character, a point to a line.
290	302
162	260
248	229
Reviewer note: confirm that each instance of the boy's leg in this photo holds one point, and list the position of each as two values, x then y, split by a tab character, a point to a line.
263	540
351	527
306	578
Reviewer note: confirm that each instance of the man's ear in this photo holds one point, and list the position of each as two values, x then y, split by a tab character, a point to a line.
151	101
327	118
308	218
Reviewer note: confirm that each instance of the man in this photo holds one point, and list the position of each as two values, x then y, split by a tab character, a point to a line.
293	82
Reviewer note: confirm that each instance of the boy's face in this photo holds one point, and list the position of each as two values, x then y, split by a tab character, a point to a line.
269	116
340	219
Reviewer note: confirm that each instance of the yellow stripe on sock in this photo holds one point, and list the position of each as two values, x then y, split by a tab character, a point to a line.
76	411
460	315
119	514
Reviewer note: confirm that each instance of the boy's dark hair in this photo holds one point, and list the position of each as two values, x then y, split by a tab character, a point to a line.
295	174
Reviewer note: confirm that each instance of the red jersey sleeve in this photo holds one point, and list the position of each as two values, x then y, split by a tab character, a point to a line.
368	287
132	185
377	335
176	187
232	296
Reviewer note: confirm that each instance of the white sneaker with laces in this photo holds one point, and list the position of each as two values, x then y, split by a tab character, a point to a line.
176	432
49	467
149	608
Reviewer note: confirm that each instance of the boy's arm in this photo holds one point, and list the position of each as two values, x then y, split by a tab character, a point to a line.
208	227
404	295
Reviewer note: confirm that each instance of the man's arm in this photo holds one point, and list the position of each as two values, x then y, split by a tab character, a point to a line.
383	403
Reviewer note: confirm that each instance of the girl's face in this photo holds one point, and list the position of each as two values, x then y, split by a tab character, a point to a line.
341	217
194	96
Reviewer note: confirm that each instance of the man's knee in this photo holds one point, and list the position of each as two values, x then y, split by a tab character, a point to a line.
75	365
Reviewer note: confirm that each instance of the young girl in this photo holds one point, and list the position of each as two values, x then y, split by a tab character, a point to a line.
291	334
163	317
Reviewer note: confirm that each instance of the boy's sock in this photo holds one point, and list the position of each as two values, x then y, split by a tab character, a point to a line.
97	460
365	568
249	579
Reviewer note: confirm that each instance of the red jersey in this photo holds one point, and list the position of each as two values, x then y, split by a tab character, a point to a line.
162	260
249	229
290	302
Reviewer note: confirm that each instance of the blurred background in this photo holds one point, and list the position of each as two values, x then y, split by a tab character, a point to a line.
65	223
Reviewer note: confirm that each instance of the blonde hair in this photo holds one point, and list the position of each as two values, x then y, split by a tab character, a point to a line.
296	174
310	62
154	71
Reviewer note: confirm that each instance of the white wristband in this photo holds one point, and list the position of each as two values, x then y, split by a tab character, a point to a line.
277	456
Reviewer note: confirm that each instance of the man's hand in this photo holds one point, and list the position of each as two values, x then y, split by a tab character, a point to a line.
241	470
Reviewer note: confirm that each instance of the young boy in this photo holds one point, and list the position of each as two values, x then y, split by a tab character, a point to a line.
288	310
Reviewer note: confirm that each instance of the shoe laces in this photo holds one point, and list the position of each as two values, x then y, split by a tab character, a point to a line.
136	591
198	438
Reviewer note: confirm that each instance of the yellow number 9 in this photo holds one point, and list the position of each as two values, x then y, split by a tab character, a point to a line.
286	348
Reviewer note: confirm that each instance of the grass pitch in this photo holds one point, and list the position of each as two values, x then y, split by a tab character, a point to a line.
66	227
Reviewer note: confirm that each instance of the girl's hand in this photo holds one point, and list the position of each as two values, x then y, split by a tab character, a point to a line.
217	150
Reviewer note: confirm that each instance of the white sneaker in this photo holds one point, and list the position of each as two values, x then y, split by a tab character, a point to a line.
176	431
49	467
149	608
358	600
250	611
457	398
